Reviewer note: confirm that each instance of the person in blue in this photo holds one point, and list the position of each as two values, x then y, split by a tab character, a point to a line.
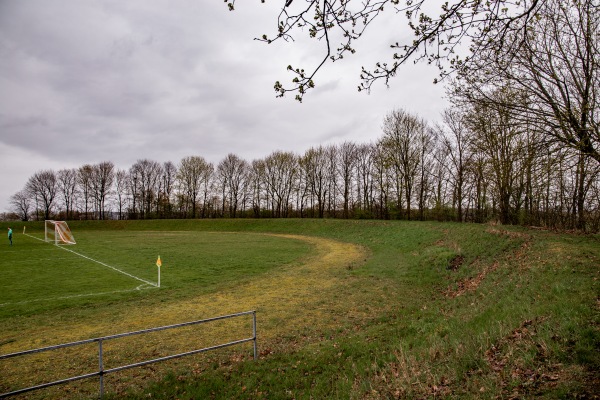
10	235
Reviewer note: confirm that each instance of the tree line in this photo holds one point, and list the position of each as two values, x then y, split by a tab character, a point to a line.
479	165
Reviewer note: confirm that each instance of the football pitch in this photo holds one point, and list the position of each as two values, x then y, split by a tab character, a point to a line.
109	265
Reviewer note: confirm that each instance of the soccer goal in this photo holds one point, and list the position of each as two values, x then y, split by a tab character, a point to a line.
58	232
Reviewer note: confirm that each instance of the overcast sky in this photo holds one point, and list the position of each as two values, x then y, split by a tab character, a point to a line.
112	80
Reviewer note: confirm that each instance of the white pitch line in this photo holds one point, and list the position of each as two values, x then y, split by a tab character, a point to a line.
108	266
99	262
140	287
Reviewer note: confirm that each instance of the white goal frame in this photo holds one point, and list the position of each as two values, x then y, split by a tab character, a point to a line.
58	232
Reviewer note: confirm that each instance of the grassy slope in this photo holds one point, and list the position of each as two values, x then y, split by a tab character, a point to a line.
434	310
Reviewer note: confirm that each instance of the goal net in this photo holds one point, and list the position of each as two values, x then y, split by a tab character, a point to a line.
58	232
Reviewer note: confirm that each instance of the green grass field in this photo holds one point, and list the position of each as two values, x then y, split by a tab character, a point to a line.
117	265
345	309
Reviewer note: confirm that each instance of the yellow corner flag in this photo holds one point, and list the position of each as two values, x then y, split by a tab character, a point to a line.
24	230
158	262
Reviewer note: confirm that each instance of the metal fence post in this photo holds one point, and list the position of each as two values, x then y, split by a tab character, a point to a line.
254	333
101	368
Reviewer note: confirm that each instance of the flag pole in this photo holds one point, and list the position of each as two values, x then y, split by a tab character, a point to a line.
158	264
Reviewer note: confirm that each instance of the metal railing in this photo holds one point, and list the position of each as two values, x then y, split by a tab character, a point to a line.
101	371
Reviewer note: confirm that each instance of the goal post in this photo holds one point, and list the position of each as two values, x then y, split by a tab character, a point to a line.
58	232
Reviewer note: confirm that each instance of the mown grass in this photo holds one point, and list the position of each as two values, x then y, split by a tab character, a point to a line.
423	310
121	265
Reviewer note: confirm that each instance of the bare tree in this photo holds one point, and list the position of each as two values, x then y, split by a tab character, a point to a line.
479	196
302	195
280	173
426	142
121	190
193	178
383	180
42	186
167	183
331	159
145	175
314	166
258	187
233	175
84	180
67	186
456	141
21	202
402	146
103	177
345	169
440	181
364	179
